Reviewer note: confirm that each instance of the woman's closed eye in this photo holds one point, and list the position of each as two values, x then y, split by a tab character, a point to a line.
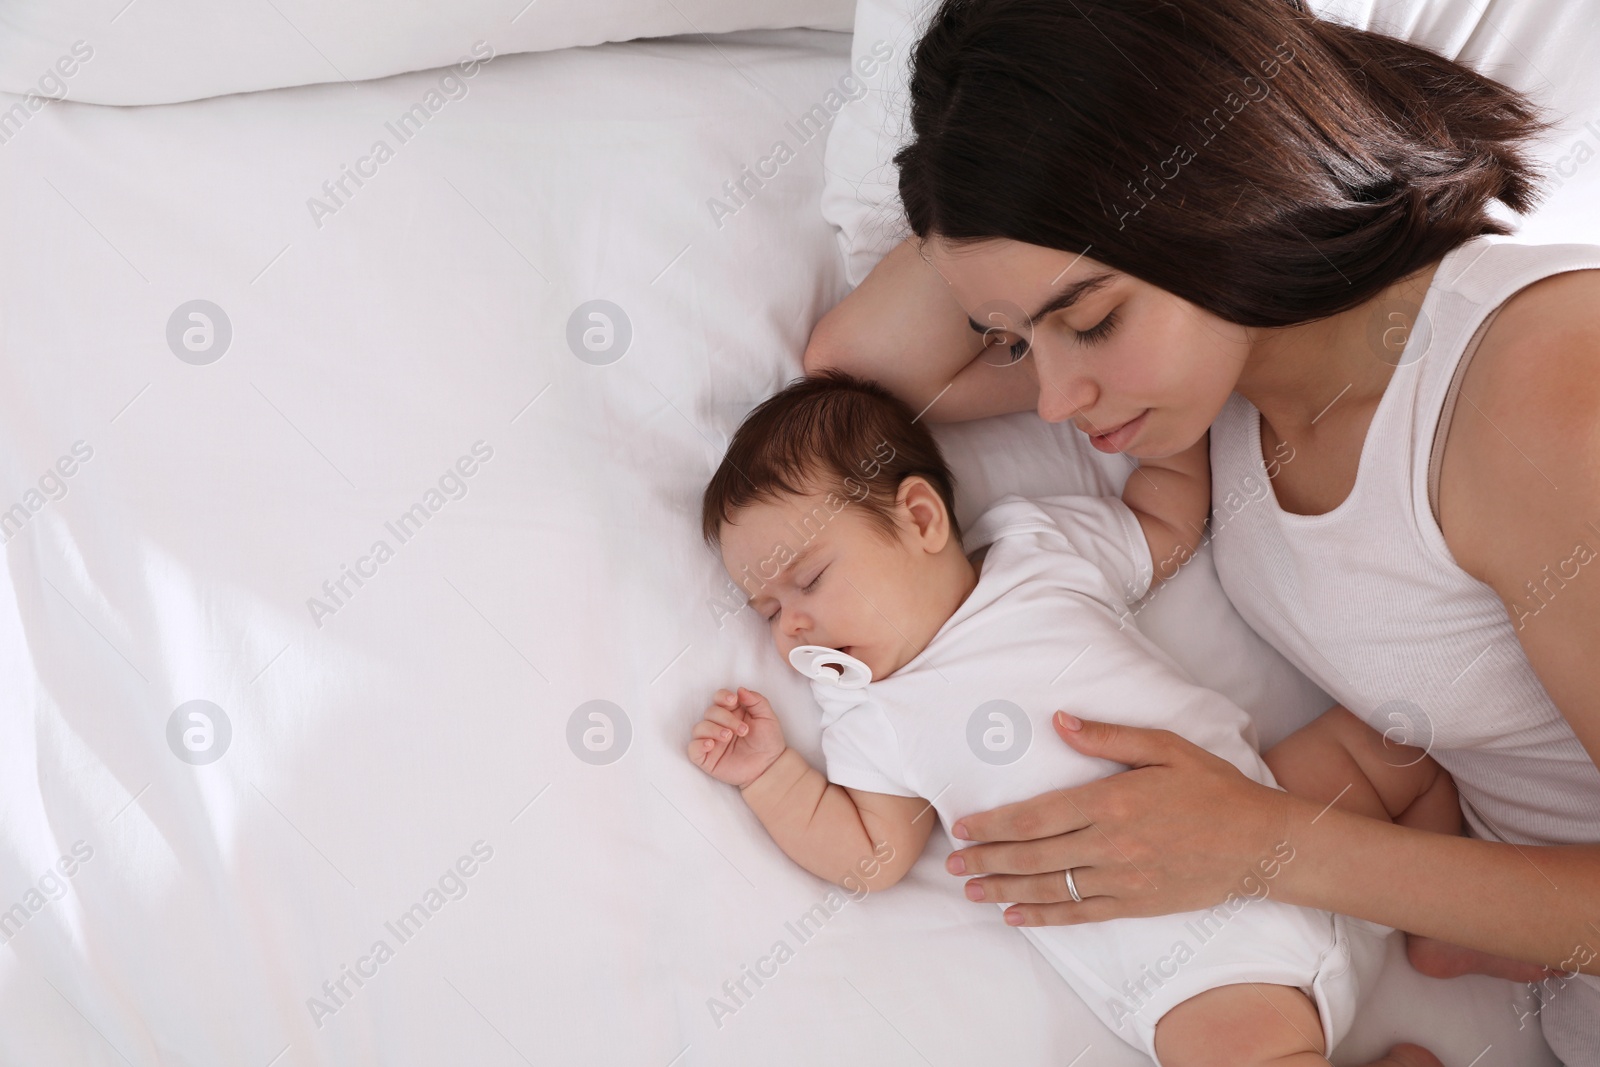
1093	335
1099	331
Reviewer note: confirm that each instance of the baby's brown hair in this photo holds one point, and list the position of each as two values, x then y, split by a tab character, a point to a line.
829	432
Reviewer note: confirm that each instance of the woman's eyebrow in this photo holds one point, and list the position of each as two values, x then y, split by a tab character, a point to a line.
1064	299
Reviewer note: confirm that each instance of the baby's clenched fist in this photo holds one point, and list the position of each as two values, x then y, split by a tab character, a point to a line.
738	739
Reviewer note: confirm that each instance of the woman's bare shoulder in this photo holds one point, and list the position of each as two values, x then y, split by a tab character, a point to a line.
1522	459
1525	483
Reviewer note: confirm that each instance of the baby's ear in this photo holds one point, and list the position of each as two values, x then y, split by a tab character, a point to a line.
926	509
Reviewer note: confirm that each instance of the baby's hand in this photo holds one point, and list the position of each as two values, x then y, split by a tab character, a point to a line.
738	739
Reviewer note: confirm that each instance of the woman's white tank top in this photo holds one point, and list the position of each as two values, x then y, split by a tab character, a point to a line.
1367	600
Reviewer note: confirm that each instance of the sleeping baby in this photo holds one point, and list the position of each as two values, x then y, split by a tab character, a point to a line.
938	657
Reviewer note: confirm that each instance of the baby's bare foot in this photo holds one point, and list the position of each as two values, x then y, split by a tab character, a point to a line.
1408	1056
1441	959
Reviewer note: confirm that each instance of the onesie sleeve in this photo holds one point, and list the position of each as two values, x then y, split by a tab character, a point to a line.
1105	531
862	751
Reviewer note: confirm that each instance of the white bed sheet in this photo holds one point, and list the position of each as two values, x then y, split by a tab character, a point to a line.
375	746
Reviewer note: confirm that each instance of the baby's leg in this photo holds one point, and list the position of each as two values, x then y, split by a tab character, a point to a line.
1339	756
1338	759
1256	1026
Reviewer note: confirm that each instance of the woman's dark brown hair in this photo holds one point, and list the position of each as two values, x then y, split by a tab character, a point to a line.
1261	163
831	433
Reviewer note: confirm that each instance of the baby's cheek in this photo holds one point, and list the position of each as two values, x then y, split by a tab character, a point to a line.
871	605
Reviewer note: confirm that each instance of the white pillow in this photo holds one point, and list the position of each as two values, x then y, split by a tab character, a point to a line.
860	189
1541	47
162	51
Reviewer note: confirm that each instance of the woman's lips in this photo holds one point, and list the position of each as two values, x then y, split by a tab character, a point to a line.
1118	439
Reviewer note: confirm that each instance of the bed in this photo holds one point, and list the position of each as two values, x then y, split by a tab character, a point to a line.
354	616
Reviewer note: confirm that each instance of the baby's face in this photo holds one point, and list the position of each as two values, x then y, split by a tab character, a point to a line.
821	575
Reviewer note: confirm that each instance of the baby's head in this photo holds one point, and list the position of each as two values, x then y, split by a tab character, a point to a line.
834	512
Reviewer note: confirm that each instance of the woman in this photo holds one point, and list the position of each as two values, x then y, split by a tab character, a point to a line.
1155	217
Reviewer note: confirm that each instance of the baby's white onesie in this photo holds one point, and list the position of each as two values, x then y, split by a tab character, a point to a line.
966	725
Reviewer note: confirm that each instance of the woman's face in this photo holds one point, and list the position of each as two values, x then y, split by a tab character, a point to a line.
1138	369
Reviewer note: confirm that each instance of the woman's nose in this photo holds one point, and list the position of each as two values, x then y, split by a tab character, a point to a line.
1063	395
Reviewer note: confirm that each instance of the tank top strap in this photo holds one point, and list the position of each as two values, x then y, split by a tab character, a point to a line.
1448	409
1473	283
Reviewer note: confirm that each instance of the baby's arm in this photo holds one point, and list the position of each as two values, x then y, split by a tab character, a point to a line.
1172	498
834	832
829	829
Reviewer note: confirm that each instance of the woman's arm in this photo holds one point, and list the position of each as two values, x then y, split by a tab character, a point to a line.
1184	829
902	328
1519	493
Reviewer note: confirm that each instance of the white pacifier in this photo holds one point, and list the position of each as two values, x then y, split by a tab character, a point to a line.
830	666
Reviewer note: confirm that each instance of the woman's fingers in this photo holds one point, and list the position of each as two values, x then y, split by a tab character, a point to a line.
1064	811
1030	888
1092	910
1050	855
1136	746
1042	816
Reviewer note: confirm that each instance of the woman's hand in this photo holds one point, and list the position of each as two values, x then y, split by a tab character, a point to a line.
1178	831
738	739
